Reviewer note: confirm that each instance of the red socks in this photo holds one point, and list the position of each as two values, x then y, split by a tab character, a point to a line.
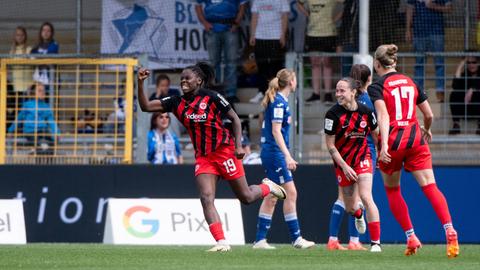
217	231
265	190
438	201
358	213
374	230
399	207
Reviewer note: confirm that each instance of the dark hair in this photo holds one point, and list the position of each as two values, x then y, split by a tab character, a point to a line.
162	77
153	119
206	72
40	39
360	72
353	84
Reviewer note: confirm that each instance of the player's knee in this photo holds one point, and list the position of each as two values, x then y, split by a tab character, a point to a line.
207	199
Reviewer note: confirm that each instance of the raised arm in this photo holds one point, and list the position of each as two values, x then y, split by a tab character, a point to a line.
145	104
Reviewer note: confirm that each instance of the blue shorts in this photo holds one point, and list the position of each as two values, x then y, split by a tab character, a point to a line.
276	168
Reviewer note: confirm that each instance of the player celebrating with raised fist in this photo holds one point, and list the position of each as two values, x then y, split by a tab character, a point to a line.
347	125
218	153
404	143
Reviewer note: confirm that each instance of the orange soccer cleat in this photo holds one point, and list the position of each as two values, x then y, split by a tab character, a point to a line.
453	249
355	246
335	245
413	244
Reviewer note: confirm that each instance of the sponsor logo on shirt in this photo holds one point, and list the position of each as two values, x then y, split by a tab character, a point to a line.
328	124
197	117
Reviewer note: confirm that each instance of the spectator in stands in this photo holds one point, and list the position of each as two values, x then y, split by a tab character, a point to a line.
268	33
321	37
426	17
21	75
162	88
465	97
250	156
35	119
348	33
383	27
163	145
221	20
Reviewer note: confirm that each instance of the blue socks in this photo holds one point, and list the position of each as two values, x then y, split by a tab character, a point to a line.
293	225
263	225
352	230
336	216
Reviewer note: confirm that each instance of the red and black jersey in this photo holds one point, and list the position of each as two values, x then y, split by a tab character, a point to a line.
401	96
202	114
351	129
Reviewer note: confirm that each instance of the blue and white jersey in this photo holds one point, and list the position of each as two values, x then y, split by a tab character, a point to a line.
364	99
279	112
221	13
163	148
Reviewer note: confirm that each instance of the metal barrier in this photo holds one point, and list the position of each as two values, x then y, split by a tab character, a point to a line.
77	111
447	148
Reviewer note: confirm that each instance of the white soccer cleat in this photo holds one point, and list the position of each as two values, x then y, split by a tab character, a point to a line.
275	190
220	248
360	225
262	244
376	248
302	243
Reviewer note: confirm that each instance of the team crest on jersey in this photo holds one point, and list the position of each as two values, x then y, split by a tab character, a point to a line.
363	124
203	106
339	179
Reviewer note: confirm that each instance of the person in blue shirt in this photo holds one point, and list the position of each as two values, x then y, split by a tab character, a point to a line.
426	17
35	120
363	75
221	19
277	161
163	145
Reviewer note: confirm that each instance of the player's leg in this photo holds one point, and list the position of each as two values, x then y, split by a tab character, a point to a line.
290	214
399	209
206	184
365	182
336	215
351	205
426	180
354	241
264	222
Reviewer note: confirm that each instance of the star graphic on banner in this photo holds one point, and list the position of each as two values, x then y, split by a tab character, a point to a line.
130	25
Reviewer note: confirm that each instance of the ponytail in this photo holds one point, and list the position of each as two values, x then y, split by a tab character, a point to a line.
270	93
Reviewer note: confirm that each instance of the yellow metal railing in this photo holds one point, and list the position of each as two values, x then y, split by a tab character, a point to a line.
90	100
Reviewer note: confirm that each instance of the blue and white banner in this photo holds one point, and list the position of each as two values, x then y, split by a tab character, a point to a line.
169	31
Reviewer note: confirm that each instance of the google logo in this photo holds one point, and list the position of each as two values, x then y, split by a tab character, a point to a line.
153	223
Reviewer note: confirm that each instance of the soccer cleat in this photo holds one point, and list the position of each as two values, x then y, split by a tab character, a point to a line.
355	246
335	245
453	249
376	248
360	225
301	243
275	189
413	244
262	244
220	248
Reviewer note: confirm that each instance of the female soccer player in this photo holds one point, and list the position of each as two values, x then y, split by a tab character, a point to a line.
347	125
404	143
361	73
218	153
277	161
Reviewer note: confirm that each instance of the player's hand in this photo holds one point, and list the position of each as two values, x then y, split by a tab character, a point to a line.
291	163
239	153
143	74
208	26
350	173
384	156
426	134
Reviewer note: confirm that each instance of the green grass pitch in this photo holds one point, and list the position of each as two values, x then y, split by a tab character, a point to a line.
98	256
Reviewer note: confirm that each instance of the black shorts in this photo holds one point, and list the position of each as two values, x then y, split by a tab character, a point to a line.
320	44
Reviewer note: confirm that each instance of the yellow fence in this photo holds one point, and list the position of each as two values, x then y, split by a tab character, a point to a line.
66	110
